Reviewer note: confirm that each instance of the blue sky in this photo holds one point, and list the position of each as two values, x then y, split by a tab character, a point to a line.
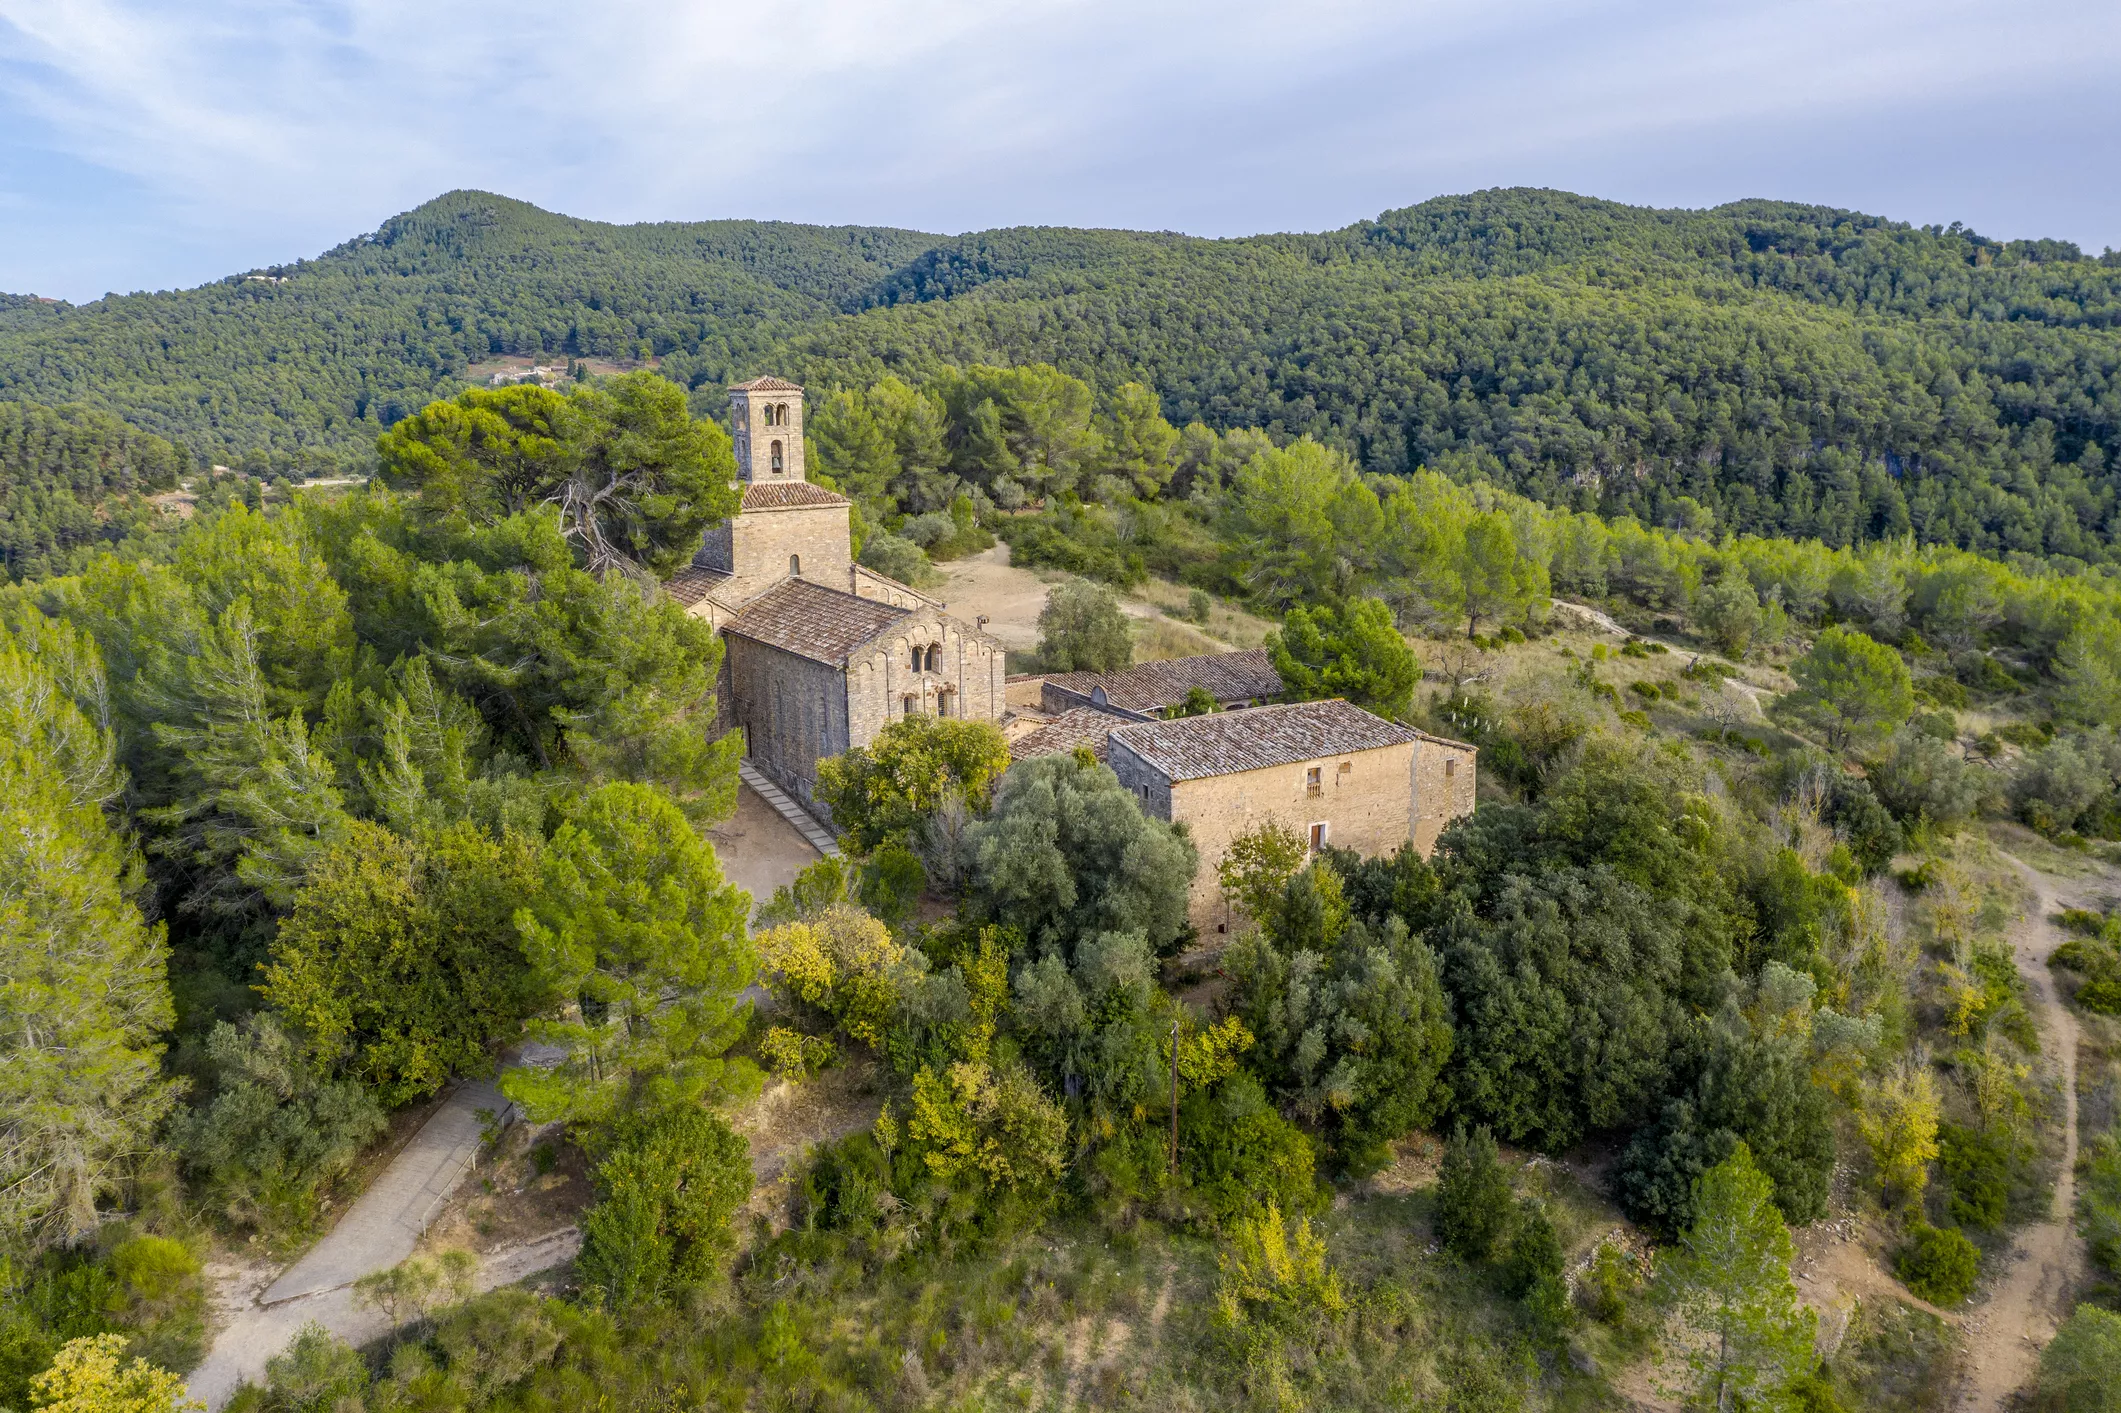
154	143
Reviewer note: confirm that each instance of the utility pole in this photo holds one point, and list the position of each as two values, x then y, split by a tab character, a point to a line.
1174	1098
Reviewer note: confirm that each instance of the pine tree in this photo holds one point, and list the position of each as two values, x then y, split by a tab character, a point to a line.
1473	1200
1730	1281
83	996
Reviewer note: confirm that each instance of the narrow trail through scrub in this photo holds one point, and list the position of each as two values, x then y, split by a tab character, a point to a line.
2028	1300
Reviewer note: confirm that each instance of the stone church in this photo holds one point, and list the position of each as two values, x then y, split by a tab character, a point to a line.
820	651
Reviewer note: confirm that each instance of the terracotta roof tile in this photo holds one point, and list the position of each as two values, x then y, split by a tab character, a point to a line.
812	621
769	383
788	495
692	584
1194	747
1155	686
1081	726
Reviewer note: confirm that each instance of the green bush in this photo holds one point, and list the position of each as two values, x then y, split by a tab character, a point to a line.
1938	1263
1978	1164
892	882
666	1190
1236	1152
1611	1279
1533	1271
1473	1202
276	1130
2099	1203
2080	1370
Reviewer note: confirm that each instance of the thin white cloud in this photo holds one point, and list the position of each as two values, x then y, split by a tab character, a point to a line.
250	122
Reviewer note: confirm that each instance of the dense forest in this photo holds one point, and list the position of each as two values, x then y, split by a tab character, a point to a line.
315	802
1793	370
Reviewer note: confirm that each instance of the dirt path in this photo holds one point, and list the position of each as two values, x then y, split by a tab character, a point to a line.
2006	1331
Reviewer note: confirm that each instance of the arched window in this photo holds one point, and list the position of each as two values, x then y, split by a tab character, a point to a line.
780	414
795	565
935	658
909	704
776	458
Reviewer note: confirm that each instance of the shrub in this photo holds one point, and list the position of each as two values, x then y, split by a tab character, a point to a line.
1236	1151
2078	1367
1613	1277
1275	1274
1978	1164
275	1132
1938	1263
898	558
892	882
1533	1272
318	1373
794	1056
2097	960
1922	778
1473	1202
665	1193
2099	1203
1081	629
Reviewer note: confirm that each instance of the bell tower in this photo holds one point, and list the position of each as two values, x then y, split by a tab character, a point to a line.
766	420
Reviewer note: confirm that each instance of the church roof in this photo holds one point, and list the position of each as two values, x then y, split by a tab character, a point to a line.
766	384
694	583
812	621
788	495
1156	686
1194	747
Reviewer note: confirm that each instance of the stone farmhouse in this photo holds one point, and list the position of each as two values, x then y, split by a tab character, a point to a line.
821	652
1330	771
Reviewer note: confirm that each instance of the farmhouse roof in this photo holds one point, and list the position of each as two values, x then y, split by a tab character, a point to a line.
812	621
1079	726
1195	747
1154	686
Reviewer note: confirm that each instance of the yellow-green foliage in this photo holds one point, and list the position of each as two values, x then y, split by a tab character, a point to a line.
990	1119
843	961
85	1377
1274	1271
1898	1119
794	1056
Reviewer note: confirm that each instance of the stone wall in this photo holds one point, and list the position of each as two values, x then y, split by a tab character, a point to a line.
762	541
882	676
793	711
1365	799
1444	782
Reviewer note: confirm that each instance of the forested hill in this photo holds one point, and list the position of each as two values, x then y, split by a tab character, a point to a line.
1792	369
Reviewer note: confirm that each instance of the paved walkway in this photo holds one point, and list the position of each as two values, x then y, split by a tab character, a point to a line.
377	1232
817	835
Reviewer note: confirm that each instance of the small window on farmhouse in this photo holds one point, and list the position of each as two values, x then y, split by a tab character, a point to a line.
776	458
795	565
1313	781
1318	836
1450	766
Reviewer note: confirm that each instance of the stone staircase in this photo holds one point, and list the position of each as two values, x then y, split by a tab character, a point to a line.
789	808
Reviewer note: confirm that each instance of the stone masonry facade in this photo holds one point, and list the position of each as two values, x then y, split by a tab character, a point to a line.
821	653
1373	790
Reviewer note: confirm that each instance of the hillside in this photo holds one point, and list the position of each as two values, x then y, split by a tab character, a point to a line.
1795	369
